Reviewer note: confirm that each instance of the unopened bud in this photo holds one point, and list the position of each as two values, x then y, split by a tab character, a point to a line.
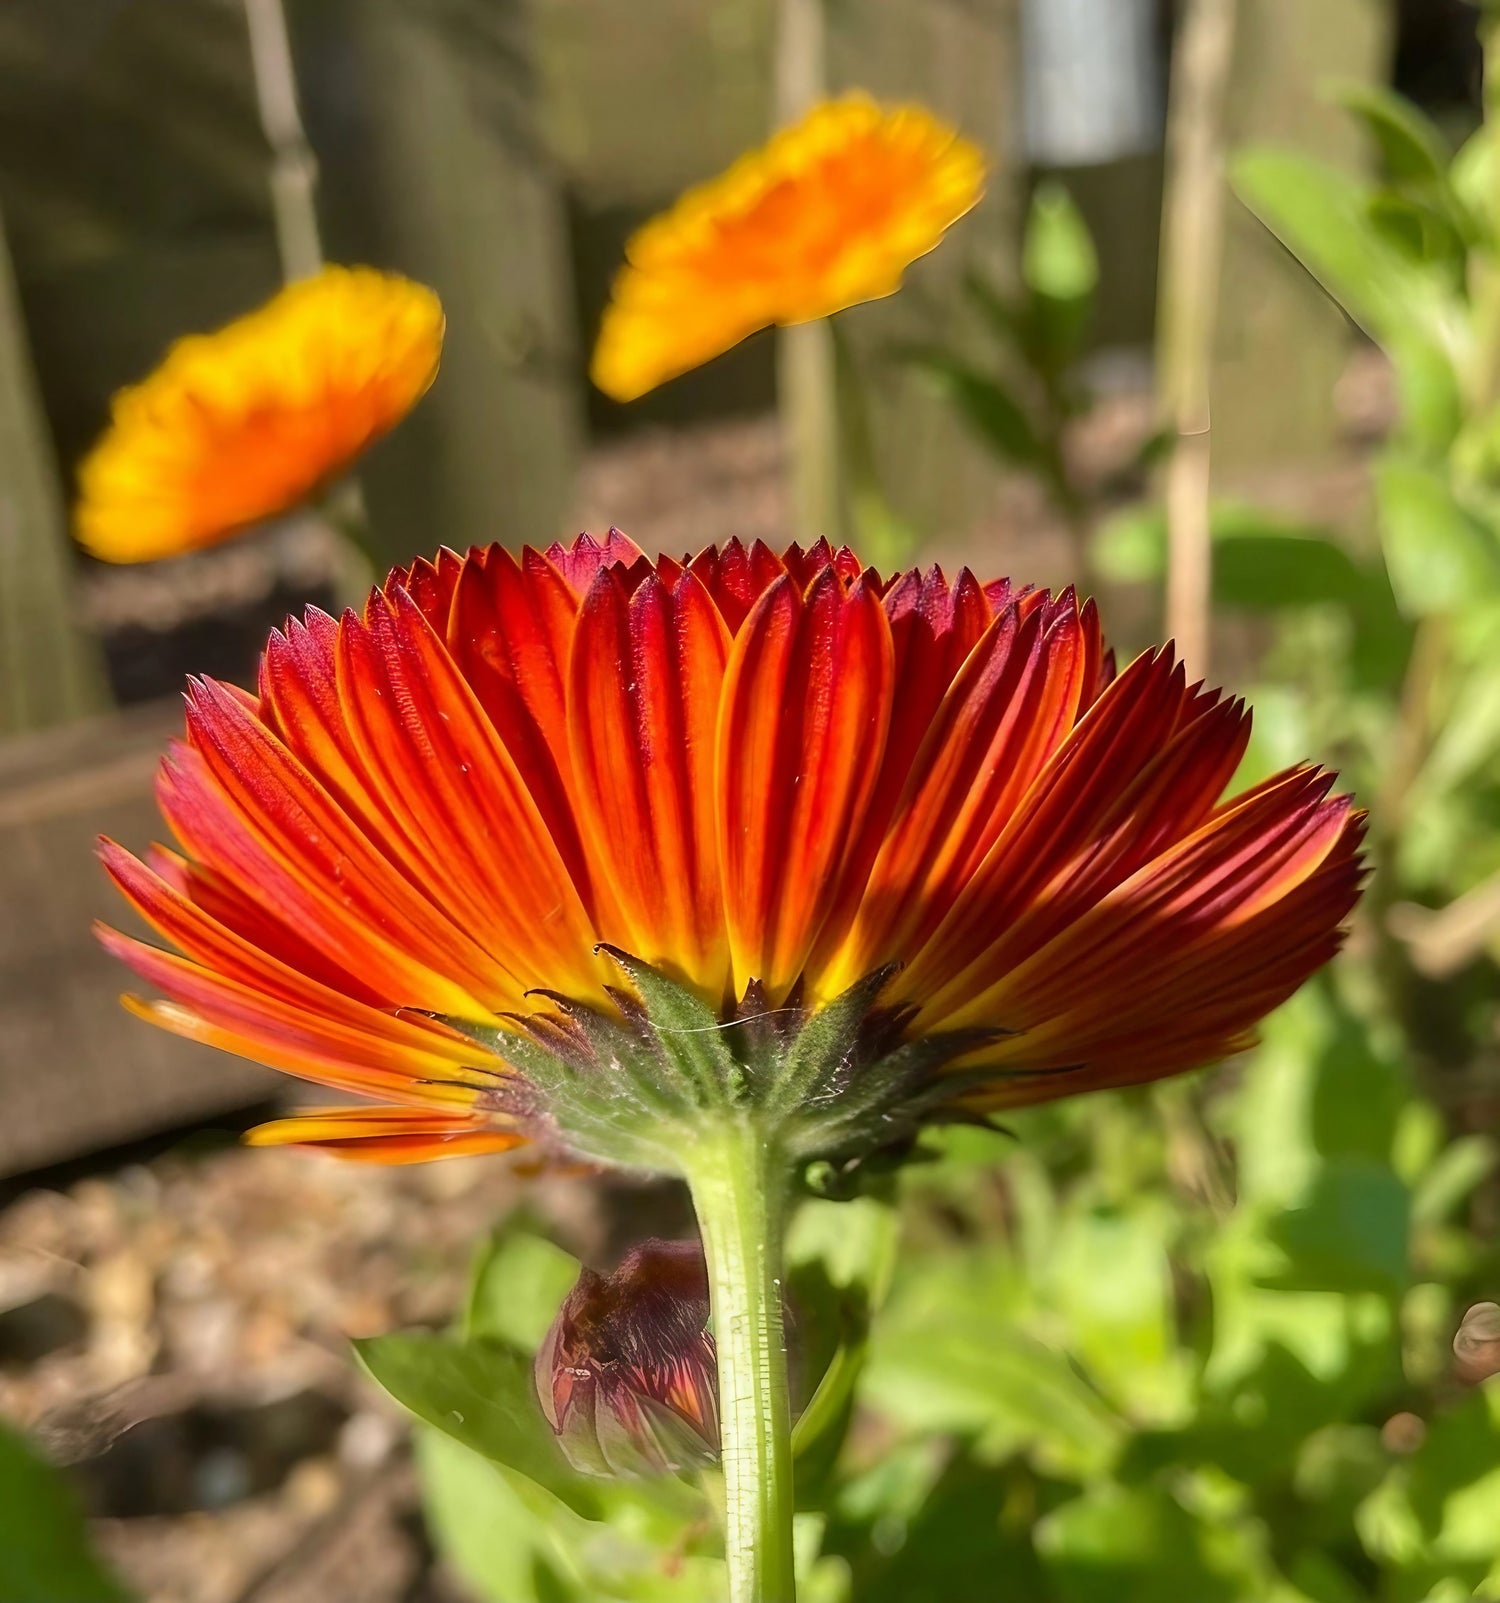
1476	1347
626	1375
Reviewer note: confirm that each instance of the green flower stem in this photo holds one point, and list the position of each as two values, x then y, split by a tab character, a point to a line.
738	1180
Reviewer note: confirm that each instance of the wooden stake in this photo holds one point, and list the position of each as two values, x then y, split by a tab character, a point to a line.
294	168
806	372
1192	256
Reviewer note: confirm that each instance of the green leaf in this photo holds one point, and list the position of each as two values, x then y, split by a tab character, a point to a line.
1456	1467
952	1546
1267	568
484	1528
512	1543
1060	267
1109	1273
1323	217
516	1287
45	1555
1470	172
1131	547
1467	743
1058	259
840	1257
482	1394
1456	1173
1412	147
947	1357
1269	563
1432	402
1416	310
1350	1234
1424	233
1438	556
1358	1094
1139	1544
985	405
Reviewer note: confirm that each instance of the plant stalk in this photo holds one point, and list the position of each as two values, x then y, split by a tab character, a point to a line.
1192	254
806	372
294	169
738	1182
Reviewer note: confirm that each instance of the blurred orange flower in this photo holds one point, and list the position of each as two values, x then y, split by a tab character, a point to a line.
767	776
247	422
828	214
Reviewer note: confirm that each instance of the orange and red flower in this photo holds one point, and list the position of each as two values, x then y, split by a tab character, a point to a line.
753	771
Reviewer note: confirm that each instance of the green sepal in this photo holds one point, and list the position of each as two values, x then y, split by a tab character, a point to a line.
690	1034
836	1086
825	1050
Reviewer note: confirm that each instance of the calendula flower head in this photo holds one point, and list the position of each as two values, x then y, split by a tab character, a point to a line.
575	849
626	1373
250	421
829	213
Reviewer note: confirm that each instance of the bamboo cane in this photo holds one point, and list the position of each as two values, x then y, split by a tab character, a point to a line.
806	367
1192	257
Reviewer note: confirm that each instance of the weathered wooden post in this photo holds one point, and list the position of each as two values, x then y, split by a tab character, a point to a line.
959	57
425	119
50	672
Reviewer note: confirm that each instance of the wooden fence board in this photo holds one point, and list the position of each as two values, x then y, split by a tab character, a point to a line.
77	1073
1267	409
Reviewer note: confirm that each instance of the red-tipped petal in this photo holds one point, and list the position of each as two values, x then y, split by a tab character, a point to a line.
509	633
580	561
646	675
1054	820
394	1135
1182	979
463	806
431	585
806	706
736	578
243	805
1006	712
373	1053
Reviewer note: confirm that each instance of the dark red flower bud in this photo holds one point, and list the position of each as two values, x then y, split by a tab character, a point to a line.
626	1375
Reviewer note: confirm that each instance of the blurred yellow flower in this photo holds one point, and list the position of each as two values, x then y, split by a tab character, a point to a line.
244	423
830	213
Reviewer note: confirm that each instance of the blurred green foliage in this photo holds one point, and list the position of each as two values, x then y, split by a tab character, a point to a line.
1020	401
1191	1343
45	1555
